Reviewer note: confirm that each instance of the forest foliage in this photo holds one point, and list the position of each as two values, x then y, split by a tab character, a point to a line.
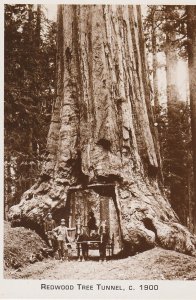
166	34
30	88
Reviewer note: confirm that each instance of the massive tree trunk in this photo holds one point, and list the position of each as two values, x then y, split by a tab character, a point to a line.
191	31
101	151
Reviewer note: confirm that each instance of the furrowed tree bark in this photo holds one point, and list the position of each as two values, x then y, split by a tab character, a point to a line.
101	142
191	33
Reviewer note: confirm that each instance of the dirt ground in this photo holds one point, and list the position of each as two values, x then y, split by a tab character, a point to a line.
20	244
153	264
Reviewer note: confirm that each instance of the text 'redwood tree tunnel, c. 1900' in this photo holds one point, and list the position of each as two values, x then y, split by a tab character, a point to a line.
102	152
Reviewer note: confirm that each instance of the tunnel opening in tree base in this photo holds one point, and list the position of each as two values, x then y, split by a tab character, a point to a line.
99	199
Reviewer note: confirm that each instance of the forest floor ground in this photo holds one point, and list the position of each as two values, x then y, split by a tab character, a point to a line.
153	264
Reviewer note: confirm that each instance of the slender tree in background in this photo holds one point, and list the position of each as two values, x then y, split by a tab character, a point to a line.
171	58
152	36
155	65
101	143
170	49
191	31
38	27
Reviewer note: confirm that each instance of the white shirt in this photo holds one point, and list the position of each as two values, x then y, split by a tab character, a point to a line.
61	233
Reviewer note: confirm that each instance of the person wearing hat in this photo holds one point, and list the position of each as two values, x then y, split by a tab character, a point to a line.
49	225
91	222
82	241
61	233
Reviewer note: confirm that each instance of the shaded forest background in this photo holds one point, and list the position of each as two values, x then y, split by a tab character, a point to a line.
30	91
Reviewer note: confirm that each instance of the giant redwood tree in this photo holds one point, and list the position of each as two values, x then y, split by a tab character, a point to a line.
102	154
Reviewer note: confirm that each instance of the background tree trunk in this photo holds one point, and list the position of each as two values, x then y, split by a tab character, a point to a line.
7	185
191	33
101	143
155	65
171	69
172	102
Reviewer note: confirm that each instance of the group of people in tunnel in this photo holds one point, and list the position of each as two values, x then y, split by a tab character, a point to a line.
59	238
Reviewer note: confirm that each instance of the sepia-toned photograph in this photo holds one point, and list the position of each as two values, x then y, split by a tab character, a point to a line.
99	142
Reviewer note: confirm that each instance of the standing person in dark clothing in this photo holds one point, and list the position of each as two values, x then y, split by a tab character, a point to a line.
91	222
104	238
83	238
78	226
49	225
